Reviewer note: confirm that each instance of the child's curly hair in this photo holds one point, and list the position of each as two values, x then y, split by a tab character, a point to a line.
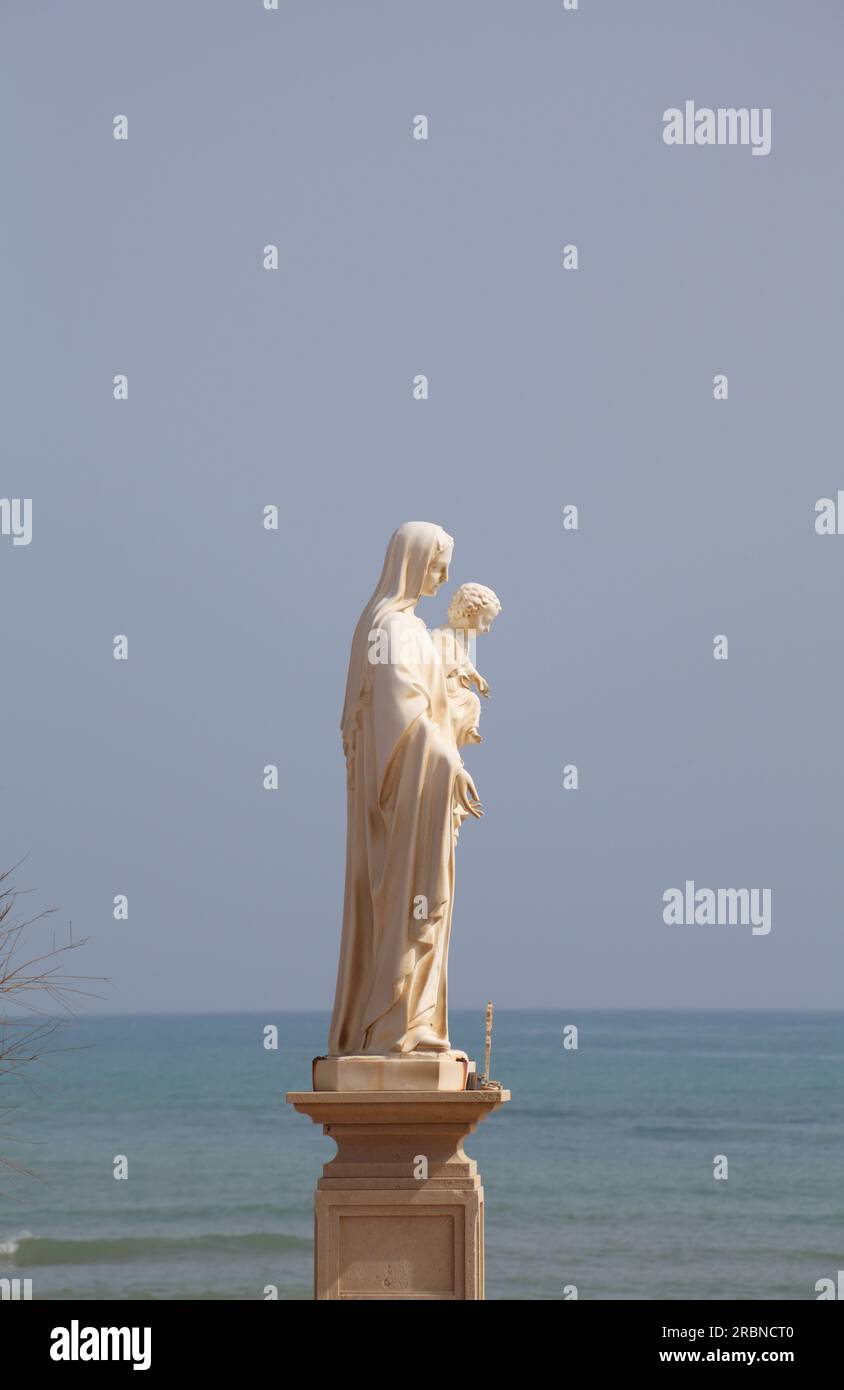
467	602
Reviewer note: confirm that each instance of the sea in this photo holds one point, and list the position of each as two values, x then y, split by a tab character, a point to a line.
644	1155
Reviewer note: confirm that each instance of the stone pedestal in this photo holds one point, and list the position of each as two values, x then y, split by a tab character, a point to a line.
416	1071
400	1208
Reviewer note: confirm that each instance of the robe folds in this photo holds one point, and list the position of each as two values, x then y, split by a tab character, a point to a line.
391	981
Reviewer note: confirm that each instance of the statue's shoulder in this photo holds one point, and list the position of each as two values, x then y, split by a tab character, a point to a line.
402	626
400	640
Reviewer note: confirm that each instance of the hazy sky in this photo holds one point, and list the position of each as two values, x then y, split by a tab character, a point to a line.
547	387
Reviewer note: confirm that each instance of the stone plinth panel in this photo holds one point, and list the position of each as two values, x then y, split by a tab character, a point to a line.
444	1071
400	1208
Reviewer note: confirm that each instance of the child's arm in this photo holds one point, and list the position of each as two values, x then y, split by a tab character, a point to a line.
473	677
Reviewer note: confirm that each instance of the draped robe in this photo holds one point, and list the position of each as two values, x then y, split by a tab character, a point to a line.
391	981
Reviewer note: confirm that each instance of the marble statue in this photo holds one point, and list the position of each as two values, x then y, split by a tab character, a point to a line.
392	1093
407	713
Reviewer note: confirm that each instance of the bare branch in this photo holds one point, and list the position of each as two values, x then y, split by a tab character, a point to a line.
39	987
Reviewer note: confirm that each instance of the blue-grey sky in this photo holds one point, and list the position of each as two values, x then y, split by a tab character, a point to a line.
547	387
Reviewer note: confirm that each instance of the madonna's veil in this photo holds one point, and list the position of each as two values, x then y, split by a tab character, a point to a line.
410	551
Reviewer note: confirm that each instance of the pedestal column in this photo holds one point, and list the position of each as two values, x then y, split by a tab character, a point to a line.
399	1209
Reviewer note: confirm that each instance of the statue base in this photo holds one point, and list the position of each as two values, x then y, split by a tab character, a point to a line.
400	1208
409	1071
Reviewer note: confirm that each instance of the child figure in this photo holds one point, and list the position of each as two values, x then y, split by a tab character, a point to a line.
472	609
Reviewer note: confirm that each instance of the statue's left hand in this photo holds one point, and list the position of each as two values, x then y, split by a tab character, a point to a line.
465	794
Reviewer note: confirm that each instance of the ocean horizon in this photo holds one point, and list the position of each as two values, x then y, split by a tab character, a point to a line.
598	1174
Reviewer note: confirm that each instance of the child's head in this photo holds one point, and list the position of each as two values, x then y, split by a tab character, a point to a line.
473	607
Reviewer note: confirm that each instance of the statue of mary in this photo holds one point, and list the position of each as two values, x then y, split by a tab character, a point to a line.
407	790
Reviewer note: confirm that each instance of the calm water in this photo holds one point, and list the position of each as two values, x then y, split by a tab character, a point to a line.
598	1173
